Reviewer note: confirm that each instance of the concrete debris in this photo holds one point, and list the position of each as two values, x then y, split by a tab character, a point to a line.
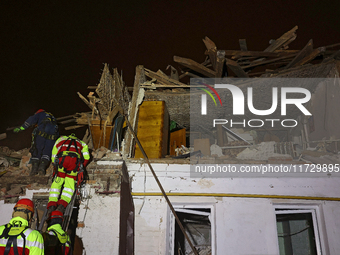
216	150
99	153
4	162
262	151
113	155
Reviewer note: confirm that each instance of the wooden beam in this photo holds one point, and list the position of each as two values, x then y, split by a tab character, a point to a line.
66	117
128	142
195	66
237	70
162	78
310	56
282	40
268	61
303	53
93	108
253	53
74	127
220	63
332	57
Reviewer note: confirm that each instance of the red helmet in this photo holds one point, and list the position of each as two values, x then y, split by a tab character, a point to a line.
40	110
26	204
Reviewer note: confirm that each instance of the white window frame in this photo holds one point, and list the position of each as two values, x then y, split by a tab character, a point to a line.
318	224
186	207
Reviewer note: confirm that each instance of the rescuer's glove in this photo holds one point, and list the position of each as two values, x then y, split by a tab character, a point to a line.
17	130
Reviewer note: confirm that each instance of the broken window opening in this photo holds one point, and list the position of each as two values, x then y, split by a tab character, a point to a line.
297	231
199	226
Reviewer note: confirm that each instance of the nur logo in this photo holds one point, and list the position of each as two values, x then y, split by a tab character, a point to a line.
204	98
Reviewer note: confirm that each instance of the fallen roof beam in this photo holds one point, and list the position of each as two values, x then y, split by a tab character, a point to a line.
286	37
264	62
310	56
302	54
195	66
93	108
236	68
212	51
162	78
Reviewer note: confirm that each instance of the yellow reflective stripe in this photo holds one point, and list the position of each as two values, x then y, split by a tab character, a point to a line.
3	241
54	195
66	195
35	244
68	189
55	190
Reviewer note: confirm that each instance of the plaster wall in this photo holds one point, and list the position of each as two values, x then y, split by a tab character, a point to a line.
100	215
242	225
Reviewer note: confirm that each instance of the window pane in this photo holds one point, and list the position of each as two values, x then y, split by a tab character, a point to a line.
296	234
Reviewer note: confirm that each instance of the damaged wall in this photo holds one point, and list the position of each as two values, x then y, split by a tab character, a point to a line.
243	225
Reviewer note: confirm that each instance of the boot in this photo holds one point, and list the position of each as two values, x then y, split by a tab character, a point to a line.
61	208
49	211
35	165
42	166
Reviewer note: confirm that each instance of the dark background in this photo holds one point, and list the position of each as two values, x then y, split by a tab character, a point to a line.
50	50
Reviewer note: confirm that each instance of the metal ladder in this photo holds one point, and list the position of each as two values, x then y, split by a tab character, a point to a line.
67	215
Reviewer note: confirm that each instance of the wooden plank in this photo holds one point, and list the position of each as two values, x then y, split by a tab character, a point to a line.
128	142
209	44
93	108
264	62
153	129
188	74
74	127
310	56
67	121
99	137
282	40
67	117
162	78
332	57
220	63
235	67
303	53
174	72
195	66
253	53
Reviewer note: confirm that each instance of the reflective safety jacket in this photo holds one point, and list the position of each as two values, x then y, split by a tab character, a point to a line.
57	240
26	240
62	148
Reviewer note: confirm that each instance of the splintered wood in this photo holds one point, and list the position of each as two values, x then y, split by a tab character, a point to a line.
274	60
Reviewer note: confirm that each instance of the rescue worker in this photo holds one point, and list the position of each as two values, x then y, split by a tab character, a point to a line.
55	239
16	237
43	138
69	155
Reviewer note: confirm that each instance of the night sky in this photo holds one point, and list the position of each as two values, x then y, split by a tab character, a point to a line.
50	50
